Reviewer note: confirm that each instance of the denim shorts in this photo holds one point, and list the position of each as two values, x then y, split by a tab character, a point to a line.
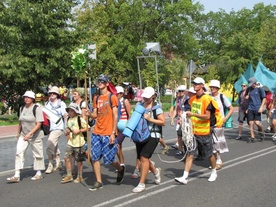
100	148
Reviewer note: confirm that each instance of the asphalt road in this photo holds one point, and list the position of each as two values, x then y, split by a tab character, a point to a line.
247	179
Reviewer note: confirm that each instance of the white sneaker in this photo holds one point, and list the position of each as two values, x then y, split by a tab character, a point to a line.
136	174
181	180
50	169
213	177
274	137
140	188
158	176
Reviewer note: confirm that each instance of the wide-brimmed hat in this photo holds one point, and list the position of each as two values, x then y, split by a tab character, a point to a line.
148	92
54	89
29	94
215	83
74	107
191	90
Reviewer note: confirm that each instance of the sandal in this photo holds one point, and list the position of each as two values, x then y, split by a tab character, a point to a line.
37	177
13	179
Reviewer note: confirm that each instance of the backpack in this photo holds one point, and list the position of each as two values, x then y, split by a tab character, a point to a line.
45	126
216	119
91	122
269	98
110	104
141	132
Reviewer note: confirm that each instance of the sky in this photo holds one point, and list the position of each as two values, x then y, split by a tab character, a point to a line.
228	5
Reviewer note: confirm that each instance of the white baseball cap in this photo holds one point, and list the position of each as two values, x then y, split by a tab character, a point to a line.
148	92
119	89
29	94
199	80
215	83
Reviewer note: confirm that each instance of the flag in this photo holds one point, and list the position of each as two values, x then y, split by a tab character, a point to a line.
265	77
249	72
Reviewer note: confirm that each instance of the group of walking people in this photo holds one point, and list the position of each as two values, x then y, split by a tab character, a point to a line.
107	137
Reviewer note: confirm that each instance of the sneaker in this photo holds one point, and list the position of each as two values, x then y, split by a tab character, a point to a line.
181	180
252	140
157	176
153	163
136	174
58	166
213	177
96	186
13	179
219	166
238	138
274	137
165	150
140	188
175	146
267	130
120	175
37	177
50	169
180	153
67	179
79	179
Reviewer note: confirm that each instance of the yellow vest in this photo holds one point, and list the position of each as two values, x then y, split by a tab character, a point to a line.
199	106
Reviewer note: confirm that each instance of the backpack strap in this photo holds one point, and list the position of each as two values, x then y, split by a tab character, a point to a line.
34	109
79	122
109	99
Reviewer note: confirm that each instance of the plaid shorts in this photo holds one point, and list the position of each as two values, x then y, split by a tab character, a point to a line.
100	147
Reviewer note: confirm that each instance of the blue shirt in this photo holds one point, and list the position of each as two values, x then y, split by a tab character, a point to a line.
256	96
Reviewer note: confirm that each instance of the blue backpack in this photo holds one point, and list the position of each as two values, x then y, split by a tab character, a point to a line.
141	133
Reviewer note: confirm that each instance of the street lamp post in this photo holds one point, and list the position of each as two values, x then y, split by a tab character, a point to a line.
150	47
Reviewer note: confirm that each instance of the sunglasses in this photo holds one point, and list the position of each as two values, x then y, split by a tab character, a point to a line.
181	91
101	81
196	84
243	85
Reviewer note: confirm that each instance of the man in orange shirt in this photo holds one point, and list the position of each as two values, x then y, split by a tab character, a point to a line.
103	142
200	115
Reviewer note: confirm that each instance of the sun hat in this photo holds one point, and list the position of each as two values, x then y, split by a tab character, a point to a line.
54	89
182	88
198	80
148	92
29	94
215	83
74	107
119	89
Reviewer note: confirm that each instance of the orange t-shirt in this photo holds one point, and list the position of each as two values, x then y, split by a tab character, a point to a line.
104	122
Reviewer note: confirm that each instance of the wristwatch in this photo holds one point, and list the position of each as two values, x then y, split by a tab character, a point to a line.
113	132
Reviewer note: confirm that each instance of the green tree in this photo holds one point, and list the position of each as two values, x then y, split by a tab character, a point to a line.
121	28
36	41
